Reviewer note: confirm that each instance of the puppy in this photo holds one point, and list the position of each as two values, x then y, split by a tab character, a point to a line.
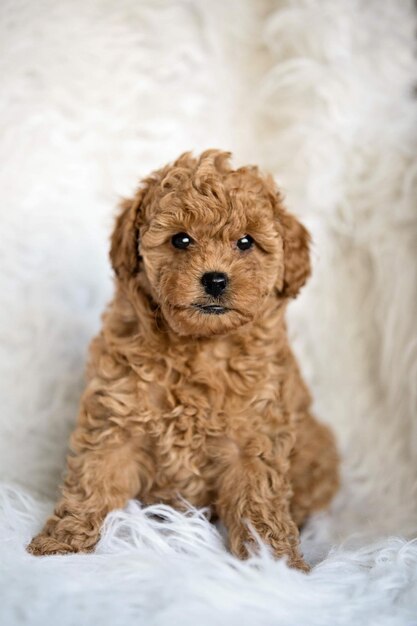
193	391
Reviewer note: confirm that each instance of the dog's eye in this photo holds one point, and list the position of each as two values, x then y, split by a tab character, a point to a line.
244	243
181	241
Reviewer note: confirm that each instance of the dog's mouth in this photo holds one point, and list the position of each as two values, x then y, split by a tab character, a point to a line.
205	319
211	309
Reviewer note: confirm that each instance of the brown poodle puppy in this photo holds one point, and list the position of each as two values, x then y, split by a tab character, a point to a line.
193	389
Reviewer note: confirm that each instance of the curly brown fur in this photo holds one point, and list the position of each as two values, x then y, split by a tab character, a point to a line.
182	403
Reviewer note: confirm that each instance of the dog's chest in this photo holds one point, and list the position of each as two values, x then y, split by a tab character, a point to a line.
197	401
206	391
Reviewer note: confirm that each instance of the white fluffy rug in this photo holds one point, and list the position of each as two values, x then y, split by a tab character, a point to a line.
95	93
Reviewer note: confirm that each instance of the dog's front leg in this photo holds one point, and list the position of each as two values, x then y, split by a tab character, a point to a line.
99	479
97	482
253	492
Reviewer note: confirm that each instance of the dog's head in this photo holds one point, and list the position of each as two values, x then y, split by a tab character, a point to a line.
209	244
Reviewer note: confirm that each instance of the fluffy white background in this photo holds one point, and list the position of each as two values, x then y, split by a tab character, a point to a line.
96	93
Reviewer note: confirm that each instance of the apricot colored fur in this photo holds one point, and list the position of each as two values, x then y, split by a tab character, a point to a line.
184	405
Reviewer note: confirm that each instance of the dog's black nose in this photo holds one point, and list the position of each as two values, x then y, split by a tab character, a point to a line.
214	283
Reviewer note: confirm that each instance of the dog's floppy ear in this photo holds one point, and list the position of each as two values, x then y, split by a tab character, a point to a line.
296	243
124	248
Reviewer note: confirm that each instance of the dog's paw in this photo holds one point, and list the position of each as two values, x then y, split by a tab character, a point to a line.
43	545
244	544
300	564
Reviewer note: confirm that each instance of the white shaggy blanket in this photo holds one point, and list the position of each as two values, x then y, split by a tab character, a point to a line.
95	93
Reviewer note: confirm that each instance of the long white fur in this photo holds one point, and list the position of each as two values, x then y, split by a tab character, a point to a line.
94	95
